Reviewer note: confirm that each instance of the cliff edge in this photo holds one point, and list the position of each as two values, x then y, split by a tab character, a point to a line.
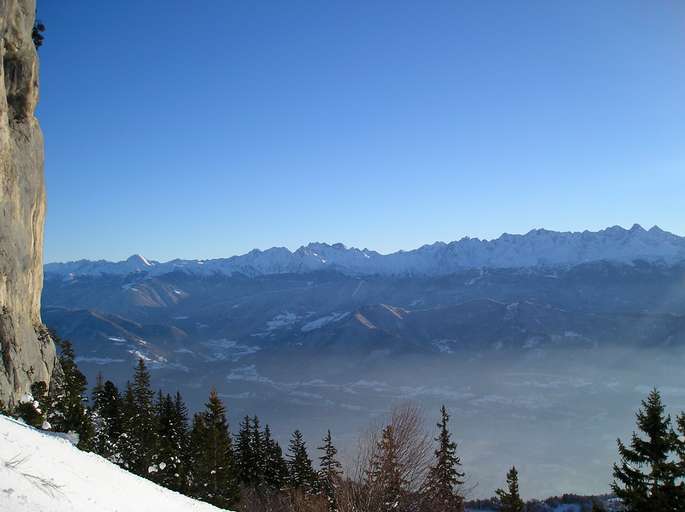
28	354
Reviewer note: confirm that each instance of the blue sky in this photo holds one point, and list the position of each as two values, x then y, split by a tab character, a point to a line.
205	129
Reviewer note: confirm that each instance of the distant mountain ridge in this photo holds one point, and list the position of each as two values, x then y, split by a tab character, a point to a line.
538	247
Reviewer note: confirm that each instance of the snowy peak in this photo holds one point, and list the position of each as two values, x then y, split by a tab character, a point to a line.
538	247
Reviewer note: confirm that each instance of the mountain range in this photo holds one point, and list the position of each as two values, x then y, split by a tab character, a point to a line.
538	247
527	339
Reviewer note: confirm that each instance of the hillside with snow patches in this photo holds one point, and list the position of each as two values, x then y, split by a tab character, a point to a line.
535	248
41	472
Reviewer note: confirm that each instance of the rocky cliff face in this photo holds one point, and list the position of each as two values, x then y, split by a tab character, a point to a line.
28	354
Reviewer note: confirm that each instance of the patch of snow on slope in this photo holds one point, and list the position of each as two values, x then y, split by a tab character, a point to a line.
280	321
324	320
40	472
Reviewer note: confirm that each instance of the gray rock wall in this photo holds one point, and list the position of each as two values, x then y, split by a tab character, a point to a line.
28	354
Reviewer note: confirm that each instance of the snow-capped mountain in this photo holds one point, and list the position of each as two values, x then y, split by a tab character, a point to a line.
538	247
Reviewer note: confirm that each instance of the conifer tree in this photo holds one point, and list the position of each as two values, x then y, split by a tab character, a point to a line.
126	443
384	478
680	453
32	409
138	443
107	419
645	479
301	474
173	440
258	453
67	409
509	498
330	472
441	488
244	455
214	477
275	466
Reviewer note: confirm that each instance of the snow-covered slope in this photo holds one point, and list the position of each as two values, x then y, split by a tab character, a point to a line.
537	247
40	472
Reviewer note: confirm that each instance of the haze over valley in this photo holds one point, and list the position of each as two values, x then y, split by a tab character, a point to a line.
528	339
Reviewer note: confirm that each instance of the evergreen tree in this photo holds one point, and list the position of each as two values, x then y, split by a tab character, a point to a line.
140	424
330	472
509	499
67	409
258	454
680	453
32	408
440	490
384	478
301	474
214	476
645	479
173	443
126	443
107	420
275	466
244	455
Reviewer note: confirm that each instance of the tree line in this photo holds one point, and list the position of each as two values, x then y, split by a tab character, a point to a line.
399	466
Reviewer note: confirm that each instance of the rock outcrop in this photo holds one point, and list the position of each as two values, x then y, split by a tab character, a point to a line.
28	353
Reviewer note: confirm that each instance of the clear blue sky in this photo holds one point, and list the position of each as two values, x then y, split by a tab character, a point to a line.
205	129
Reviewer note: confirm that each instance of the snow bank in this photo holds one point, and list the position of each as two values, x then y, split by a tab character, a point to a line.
40	472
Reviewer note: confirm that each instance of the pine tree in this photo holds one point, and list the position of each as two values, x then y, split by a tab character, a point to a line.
645	479
244	456
138	443
173	440
32	408
214	478
107	420
258	454
680	453
126	443
510	500
275	466
330	472
440	490
301	474
67	409
384	478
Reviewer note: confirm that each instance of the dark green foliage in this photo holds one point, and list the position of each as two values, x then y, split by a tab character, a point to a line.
138	441
33	409
509	498
258	452
275	466
244	455
680	454
441	488
330	472
67	411
301	474
37	32
106	413
171	469
214	478
645	479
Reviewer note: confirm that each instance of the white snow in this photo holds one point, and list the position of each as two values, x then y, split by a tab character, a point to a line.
535	248
40	472
281	320
324	320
